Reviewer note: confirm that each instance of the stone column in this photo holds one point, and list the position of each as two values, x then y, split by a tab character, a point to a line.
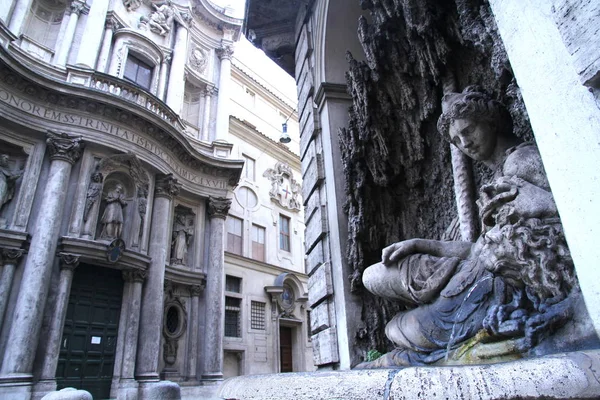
176	83
118	56
10	257
19	15
225	53
62	54
153	296
162	78
103	58
92	35
136	278
218	207
195	291
26	322
68	263
208	93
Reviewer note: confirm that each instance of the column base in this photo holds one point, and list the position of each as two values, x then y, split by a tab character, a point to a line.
159	390
147	377
127	389
16	387
42	388
212	376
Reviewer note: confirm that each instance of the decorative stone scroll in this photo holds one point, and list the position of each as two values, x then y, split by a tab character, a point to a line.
132	5
218	207
68	260
284	188
64	147
10	256
134	275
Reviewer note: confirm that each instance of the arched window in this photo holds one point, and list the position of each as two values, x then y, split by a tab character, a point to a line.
44	22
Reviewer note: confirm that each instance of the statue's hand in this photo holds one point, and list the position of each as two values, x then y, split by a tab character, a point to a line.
397	251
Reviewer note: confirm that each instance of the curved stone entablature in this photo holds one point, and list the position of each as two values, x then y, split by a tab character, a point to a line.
146	127
214	17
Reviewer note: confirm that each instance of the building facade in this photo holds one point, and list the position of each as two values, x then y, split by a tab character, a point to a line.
118	177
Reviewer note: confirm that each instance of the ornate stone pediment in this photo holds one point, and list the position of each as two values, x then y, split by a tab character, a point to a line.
284	188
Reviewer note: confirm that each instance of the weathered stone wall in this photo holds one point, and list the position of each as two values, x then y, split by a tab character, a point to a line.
398	171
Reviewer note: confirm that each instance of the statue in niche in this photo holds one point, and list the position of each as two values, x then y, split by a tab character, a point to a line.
93	192
112	219
161	19
8	179
183	230
142	206
514	285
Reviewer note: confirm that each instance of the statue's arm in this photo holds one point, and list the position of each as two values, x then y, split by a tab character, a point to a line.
436	248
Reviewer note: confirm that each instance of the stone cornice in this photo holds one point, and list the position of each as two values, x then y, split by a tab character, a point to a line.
328	91
94	252
257	139
213	17
47	85
234	259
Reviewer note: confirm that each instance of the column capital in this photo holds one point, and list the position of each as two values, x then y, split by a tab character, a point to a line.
187	18
68	260
10	256
218	207
134	275
64	147
210	91
111	24
77	7
167	58
167	186
225	51
196	290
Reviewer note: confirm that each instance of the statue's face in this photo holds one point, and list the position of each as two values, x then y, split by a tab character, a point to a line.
474	138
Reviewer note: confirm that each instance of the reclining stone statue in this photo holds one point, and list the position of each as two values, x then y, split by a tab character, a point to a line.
514	285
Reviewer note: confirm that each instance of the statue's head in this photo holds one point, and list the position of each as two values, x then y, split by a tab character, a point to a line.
473	122
4	160
119	188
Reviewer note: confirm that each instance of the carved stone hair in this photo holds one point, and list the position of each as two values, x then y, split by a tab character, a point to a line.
477	105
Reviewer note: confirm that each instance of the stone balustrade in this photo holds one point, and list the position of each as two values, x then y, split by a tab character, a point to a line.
118	87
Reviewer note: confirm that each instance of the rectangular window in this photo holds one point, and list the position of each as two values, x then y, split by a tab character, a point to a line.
232	317
234	235
138	72
257	315
233	284
249	168
258	243
191	105
284	233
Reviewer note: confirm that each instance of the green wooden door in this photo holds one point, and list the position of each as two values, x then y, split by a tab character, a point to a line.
87	355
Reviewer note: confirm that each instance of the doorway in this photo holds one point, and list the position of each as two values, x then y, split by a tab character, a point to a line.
285	349
87	353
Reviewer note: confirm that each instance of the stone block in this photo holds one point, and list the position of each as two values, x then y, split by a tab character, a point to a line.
578	22
320	284
312	203
68	394
304	48
162	390
313	175
319	318
314	257
311	128
562	376
324	345
316	227
305	92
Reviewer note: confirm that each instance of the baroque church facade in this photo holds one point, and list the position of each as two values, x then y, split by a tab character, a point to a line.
145	235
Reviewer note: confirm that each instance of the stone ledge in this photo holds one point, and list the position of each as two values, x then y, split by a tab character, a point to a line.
564	376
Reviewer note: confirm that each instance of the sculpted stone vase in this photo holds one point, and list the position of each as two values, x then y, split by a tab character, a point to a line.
495	299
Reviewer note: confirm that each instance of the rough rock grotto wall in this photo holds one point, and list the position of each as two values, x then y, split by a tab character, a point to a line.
398	171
